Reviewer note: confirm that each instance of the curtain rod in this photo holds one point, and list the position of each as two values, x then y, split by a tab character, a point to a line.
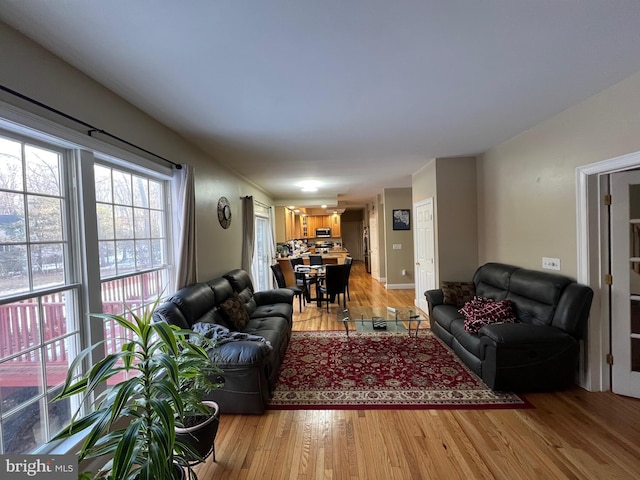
92	129
257	201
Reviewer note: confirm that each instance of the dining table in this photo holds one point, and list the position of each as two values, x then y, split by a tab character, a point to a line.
311	274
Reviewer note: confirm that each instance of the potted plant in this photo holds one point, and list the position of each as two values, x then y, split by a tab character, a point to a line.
199	424
132	423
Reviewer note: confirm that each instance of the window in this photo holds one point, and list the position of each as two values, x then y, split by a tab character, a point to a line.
39	331
132	244
45	245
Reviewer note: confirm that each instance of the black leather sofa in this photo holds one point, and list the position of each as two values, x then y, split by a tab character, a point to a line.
250	365
540	351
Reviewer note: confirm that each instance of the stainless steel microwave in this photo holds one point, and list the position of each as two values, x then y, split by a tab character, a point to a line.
323	233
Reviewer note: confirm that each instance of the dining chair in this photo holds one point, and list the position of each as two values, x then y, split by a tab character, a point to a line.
302	280
315	260
334	285
281	282
296	261
348	261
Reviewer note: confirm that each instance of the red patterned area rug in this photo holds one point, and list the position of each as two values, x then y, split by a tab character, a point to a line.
375	370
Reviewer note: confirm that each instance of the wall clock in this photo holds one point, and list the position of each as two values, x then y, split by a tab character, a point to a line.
224	212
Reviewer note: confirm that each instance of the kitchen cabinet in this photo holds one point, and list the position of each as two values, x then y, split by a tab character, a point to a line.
303	225
335	226
290	226
324	221
285	224
312	224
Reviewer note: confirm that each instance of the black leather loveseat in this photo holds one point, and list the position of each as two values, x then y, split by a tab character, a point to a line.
249	353
539	350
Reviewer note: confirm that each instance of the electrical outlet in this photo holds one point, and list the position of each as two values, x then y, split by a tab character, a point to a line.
551	263
397	246
404	272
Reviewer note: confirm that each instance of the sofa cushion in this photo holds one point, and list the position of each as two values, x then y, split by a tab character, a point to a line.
471	343
283	310
221	335
458	293
195	302
446	314
234	310
222	289
492	280
273	329
536	294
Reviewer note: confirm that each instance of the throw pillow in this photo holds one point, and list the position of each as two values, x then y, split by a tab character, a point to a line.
235	312
481	311
458	293
474	305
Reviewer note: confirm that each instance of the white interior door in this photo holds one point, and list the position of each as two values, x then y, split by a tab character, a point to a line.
625	290
424	242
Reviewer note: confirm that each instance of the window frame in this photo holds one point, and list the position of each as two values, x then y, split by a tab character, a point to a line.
81	153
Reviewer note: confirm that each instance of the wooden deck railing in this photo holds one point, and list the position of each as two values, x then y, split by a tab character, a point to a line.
20	334
20	330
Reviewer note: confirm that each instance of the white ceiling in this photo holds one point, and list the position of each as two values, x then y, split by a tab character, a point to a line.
358	94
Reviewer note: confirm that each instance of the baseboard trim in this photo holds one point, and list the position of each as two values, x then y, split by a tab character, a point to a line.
400	286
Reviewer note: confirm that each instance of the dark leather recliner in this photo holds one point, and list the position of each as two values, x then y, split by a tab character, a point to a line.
250	368
541	350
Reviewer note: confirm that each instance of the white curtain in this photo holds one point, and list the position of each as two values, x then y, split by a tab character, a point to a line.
248	234
184	225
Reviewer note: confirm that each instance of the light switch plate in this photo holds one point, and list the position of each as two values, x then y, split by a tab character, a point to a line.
551	263
397	246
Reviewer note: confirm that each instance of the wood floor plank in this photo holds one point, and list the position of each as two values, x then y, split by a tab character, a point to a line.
571	434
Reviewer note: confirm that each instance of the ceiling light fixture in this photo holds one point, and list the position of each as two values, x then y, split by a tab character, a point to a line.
309	185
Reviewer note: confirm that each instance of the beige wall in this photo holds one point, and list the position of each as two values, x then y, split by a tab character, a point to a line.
527	185
382	255
32	71
457	220
453	185
398	260
423	182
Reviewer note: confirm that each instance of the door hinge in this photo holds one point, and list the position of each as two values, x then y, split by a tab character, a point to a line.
609	359
608	279
607	199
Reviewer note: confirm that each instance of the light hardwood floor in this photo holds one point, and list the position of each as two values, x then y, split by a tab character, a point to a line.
572	434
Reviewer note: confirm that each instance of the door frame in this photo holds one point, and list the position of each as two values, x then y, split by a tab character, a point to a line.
593	264
624	380
419	300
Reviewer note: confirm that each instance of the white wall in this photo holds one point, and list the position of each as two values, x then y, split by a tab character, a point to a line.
32	71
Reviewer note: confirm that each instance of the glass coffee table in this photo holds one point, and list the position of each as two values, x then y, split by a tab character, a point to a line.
379	318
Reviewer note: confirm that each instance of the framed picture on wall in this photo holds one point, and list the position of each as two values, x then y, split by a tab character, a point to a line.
401	219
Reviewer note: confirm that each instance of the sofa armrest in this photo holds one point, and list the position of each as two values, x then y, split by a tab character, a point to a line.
523	357
434	297
276	295
240	353
521	334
